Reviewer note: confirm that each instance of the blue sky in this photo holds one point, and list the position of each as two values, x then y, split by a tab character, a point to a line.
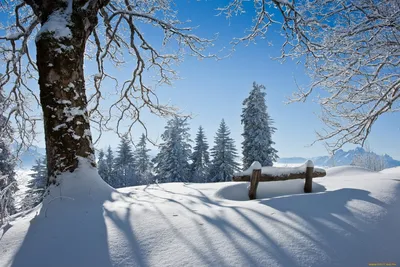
211	90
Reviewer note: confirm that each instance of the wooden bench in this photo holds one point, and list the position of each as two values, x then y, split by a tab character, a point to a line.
256	174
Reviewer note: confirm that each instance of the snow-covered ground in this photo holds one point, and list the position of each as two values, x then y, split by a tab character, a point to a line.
351	219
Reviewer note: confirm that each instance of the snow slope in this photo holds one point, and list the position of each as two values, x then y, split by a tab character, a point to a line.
351	219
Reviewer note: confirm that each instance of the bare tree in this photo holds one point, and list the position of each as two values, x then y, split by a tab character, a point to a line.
66	34
369	160
351	49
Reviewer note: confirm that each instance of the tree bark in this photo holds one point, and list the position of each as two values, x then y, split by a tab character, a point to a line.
60	59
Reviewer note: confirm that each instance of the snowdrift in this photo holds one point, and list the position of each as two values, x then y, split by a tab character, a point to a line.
347	171
351	219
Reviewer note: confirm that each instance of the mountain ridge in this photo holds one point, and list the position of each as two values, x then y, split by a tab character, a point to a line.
340	158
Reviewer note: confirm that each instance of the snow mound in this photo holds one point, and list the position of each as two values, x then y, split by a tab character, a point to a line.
347	171
239	191
394	170
67	226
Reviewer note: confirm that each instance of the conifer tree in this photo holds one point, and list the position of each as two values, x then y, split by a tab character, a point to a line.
124	165
257	144
200	158
110	168
102	167
172	162
142	161
224	153
37	184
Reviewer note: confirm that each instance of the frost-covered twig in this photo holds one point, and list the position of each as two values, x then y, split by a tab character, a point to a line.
117	41
351	51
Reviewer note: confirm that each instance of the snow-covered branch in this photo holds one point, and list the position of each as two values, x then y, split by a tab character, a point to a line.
118	41
351	51
19	67
120	35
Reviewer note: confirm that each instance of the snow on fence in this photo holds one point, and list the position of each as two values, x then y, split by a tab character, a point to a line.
256	174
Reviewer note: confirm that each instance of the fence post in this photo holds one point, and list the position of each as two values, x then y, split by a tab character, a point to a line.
255	178
309	176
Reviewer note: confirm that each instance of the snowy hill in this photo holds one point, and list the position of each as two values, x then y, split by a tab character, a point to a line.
351	219
341	158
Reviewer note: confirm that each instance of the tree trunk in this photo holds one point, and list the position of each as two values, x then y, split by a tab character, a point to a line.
60	59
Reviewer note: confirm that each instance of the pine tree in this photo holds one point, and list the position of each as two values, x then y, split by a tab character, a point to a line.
224	153
142	161
8	183
171	163
200	159
37	184
257	144
102	167
124	165
110	168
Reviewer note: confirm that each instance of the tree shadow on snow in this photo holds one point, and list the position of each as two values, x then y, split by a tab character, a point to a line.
70	232
160	227
344	223
317	228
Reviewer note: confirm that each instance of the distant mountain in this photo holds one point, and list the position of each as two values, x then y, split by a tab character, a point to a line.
340	158
28	157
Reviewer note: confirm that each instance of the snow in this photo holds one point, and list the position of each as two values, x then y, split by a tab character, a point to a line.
255	165
239	191
58	127
13	35
284	2
278	171
64	102
347	171
56	24
394	170
351	219
309	164
72	112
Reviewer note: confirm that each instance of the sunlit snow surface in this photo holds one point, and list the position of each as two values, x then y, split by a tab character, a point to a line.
351	219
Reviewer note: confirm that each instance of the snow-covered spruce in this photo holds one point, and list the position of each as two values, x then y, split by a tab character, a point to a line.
37	185
172	162
257	129
124	166
106	167
224	154
143	164
199	169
